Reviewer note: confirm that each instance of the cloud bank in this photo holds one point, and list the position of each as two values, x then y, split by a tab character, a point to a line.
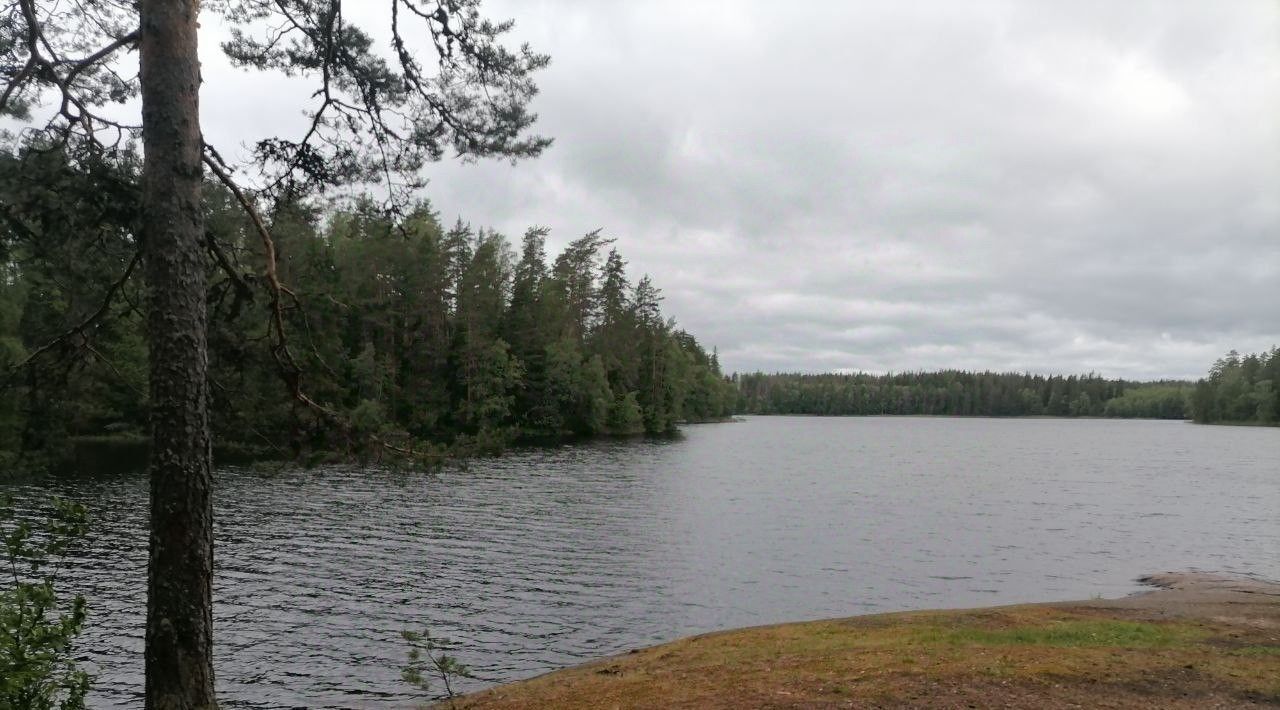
1044	186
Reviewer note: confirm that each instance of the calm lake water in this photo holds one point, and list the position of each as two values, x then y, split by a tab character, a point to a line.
546	558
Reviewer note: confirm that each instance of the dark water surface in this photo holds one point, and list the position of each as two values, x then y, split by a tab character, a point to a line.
547	558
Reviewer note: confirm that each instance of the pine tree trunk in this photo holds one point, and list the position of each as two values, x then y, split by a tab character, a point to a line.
179	640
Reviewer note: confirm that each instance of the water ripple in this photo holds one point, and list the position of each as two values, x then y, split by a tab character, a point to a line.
549	557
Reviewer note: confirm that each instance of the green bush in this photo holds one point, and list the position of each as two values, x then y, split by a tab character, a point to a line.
37	627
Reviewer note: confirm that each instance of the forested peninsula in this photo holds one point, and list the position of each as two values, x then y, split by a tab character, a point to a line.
388	330
393	332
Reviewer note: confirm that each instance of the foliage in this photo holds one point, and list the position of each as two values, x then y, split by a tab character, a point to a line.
409	332
380	111
65	232
955	392
372	119
1151	401
428	659
37	627
383	117
1240	389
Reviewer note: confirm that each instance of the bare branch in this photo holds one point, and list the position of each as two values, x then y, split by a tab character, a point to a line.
237	279
290	371
93	59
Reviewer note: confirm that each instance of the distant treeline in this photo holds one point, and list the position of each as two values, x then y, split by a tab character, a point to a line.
388	328
1240	390
956	392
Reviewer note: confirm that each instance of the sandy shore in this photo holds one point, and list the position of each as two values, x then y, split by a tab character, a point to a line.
1194	641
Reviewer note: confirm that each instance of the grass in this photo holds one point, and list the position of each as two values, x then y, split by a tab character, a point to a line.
1026	656
1070	633
1258	651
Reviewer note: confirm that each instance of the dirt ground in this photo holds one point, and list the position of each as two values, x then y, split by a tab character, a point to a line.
1195	641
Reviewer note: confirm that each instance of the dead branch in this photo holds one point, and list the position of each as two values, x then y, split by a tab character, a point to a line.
290	371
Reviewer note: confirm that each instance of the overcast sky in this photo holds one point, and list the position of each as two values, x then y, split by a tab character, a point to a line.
1048	186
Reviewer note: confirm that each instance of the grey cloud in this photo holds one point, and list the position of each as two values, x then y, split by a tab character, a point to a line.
1062	187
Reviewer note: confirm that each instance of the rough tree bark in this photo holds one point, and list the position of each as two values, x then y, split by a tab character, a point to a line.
179	644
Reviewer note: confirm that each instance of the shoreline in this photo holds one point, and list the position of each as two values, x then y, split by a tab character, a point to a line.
1089	417
1192	640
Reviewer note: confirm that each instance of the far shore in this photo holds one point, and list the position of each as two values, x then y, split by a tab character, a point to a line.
1196	640
975	416
1060	417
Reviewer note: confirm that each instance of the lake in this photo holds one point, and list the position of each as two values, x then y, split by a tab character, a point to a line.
549	557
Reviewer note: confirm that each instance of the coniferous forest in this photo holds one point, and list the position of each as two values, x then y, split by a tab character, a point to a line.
955	392
395	331
1240	389
243	311
391	329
